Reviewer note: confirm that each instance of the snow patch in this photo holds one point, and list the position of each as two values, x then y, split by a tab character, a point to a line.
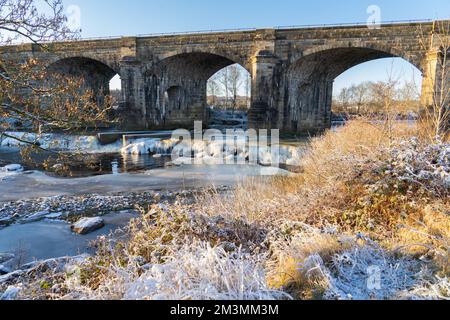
150	146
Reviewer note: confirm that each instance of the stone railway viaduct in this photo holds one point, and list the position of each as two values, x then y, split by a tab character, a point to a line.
164	77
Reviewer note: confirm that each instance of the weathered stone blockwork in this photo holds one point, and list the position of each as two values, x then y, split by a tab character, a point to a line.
164	77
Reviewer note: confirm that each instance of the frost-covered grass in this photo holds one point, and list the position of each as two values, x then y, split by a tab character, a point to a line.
317	265
195	271
198	271
367	218
310	263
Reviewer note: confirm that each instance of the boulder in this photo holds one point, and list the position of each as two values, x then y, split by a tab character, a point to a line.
10	294
4	270
108	138
54	215
36	216
12	168
5	257
88	225
6	263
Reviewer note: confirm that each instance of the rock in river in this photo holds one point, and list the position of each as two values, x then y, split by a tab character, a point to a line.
5	257
10	294
12	168
6	260
4	270
88	225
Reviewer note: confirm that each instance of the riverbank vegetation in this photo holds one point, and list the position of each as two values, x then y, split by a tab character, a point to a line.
367	218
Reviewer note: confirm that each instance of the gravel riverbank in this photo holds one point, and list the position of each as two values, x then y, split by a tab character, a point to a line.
70	208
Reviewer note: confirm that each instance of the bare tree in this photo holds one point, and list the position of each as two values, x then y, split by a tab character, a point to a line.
28	92
225	82
408	97
386	92
213	89
229	83
359	93
235	82
35	21
248	83
344	98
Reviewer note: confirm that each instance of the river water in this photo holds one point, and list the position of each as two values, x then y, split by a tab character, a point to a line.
52	239
91	165
100	174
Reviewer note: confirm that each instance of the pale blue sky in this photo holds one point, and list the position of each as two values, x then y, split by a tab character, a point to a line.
100	18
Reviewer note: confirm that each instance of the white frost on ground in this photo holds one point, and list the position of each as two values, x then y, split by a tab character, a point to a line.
203	273
439	289
195	271
429	166
10	294
198	271
371	273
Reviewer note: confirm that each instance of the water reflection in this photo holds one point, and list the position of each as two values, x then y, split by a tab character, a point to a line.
115	167
86	165
91	164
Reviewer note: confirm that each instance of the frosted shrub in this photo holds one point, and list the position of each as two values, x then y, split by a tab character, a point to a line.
315	264
428	167
369	272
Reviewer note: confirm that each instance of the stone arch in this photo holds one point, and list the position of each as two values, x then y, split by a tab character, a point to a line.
378	49
173	95
218	53
114	66
95	73
309	78
189	72
174	98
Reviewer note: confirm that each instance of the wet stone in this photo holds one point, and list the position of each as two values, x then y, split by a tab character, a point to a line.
88	225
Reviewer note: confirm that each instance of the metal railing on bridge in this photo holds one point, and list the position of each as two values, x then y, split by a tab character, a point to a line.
352	24
212	31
